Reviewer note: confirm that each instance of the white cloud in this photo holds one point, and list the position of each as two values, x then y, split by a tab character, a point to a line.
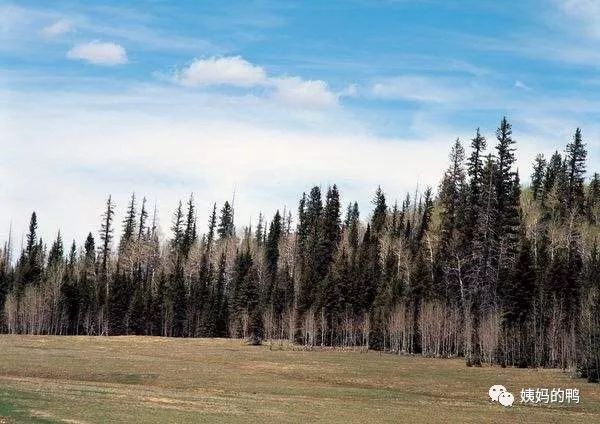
236	71
99	53
57	28
310	93
232	70
158	147
521	85
414	88
352	90
585	11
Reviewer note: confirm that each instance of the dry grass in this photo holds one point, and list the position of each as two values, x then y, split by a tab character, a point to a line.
148	379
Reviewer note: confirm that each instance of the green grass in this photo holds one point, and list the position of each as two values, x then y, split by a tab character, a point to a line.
150	379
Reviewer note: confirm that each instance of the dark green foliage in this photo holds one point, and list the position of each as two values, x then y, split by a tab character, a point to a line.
272	258
575	167
226	227
189	232
537	178
56	253
106	234
142	221
379	213
128	225
212	225
177	229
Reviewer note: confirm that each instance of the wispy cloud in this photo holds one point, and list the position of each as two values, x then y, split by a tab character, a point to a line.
417	88
99	53
311	93
57	28
167	137
585	12
521	85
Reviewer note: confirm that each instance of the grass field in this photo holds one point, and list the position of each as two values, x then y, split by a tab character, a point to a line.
150	380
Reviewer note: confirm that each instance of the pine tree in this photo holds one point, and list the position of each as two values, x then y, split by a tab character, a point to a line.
272	257
505	158
352	223
452	203
32	237
427	211
177	229
87	290
311	272
56	253
238	295
330	231
212	224
226	227
380	213
259	230
553	170
30	265
142	221
128	225
537	178
221	306
106	235
507	202
189	233
575	161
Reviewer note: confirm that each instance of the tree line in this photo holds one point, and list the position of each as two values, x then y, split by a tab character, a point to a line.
485	268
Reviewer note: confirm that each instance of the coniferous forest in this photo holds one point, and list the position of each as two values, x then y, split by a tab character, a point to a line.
481	266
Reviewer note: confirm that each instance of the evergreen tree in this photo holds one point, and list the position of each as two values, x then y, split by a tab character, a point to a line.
272	257
212	225
259	230
106	235
537	178
553	171
427	211
142	222
177	229
220	299
226	227
189	233
128	225
352	224
575	161
56	253
380	212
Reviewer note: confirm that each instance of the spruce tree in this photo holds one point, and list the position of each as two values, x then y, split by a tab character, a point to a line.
56	253
106	235
575	163
379	213
537	178
189	232
128	225
272	258
226	226
142	221
212	225
177	229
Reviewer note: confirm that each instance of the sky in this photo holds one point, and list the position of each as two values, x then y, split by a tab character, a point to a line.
263	99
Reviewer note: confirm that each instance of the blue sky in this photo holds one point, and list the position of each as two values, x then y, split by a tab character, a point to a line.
271	97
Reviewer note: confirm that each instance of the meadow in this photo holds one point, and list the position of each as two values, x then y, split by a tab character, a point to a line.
58	379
